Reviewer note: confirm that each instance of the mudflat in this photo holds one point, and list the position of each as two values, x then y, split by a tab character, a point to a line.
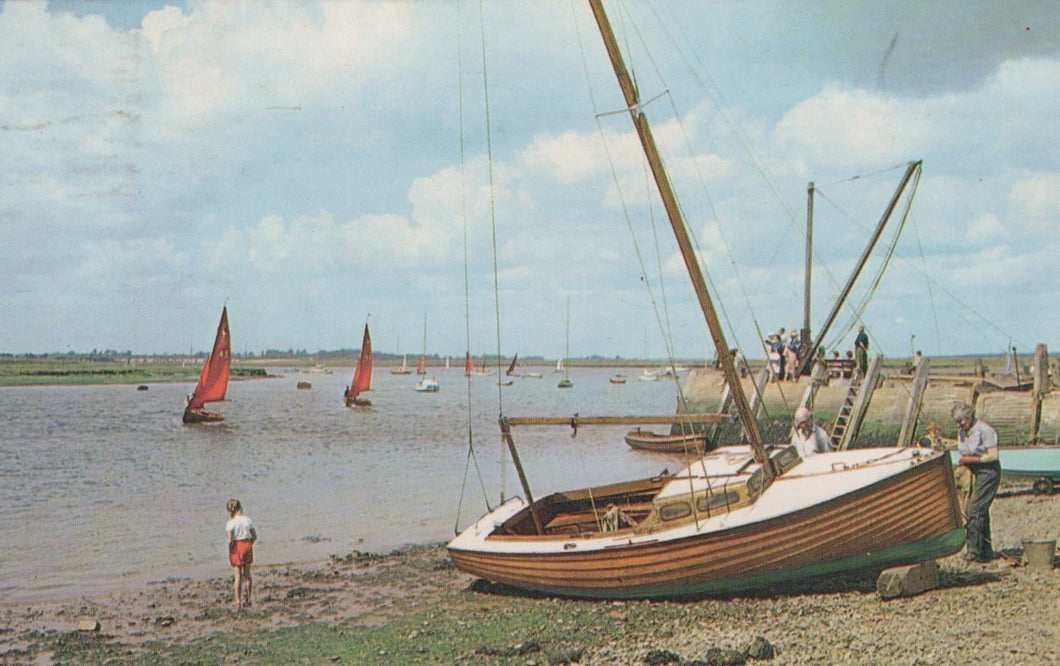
413	606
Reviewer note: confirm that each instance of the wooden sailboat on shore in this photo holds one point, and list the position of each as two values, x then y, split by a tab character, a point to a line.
362	376
738	518
213	382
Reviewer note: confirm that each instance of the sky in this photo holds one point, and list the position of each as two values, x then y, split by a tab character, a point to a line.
467	169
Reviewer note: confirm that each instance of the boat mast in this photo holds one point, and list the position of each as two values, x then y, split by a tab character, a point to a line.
808	279
662	181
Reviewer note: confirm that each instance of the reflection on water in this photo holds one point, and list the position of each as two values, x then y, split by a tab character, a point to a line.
103	487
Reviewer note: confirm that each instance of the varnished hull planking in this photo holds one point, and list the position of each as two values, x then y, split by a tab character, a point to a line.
907	518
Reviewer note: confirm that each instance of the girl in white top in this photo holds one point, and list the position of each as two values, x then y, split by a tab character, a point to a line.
241	538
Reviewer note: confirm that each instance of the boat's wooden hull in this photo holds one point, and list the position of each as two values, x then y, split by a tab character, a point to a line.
650	441
358	402
199	416
906	518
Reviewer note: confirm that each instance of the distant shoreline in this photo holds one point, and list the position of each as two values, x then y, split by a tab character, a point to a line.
57	371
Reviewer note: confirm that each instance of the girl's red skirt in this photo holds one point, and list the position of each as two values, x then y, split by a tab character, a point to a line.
241	553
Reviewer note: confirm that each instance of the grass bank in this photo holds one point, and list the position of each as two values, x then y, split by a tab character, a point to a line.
50	372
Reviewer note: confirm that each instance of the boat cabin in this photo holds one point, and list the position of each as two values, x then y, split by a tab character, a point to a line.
723	481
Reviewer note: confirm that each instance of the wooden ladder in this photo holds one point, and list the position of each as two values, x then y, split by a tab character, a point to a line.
842	419
855	405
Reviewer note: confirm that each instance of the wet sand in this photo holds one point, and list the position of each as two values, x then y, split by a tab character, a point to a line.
411	605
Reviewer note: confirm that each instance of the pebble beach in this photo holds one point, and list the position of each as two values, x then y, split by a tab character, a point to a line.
412	606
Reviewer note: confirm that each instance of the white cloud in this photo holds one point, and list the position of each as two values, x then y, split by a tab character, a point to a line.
854	129
985	229
1035	202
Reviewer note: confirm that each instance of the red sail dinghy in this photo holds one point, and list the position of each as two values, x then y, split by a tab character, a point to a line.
213	382
362	376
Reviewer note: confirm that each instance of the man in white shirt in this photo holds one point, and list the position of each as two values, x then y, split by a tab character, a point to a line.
807	437
977	443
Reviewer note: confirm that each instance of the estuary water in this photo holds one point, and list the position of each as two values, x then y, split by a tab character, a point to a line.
102	488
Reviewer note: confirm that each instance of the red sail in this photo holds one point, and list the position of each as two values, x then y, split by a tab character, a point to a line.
511	368
362	377
421	369
213	382
469	365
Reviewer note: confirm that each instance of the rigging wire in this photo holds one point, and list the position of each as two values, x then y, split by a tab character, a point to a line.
859	309
493	211
707	84
667	340
493	232
471	458
931	292
744	144
714	94
659	315
932	285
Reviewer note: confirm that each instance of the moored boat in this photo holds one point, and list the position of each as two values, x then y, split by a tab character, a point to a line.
1039	464
403	369
427	385
646	440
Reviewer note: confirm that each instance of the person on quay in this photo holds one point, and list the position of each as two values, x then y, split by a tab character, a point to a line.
861	351
977	444
777	354
807	437
792	352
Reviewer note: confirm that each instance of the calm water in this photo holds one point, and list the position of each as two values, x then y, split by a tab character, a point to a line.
103	488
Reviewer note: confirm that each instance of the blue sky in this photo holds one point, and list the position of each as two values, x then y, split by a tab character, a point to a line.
317	163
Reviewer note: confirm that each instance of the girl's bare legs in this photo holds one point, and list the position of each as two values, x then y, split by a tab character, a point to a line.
238	588
250	582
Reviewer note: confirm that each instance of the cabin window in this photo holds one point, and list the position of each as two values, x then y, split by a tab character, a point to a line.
675	510
715	501
786	459
756	482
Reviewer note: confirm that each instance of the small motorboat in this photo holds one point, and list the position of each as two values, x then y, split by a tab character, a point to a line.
427	385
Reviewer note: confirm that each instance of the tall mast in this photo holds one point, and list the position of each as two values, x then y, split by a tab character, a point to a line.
662	181
808	280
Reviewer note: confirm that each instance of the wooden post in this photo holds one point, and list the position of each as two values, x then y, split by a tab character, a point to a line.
916	402
506	433
1042	385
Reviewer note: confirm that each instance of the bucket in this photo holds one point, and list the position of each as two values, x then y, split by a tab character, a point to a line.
1038	555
